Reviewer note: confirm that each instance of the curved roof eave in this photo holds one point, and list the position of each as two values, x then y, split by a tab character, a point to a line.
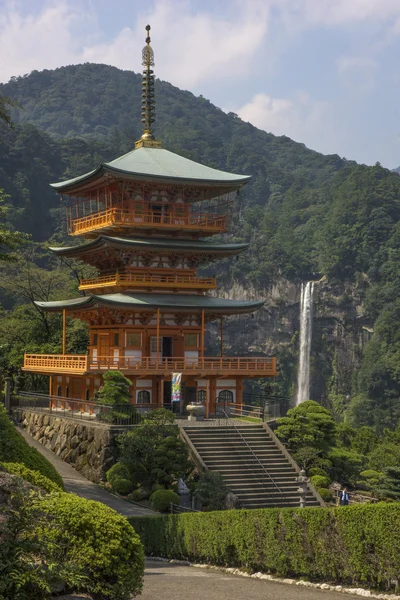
167	302
148	243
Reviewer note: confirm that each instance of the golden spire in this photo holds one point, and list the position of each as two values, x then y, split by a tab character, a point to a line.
148	102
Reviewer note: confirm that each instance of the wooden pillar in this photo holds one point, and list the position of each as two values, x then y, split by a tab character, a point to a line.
222	337
213	395
154	390
239	392
132	390
161	392
207	399
64	330
157	333
202	335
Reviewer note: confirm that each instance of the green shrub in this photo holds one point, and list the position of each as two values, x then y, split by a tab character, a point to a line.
161	499
13	448
317	471
371	474
357	545
95	544
122	486
117	471
319	481
325	494
34	477
211	490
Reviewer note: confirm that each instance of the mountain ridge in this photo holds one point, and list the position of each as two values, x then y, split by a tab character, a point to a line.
302	213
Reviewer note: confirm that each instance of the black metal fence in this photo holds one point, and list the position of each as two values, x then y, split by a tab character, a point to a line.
126	414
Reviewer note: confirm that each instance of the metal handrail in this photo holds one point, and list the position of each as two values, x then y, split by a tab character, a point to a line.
228	418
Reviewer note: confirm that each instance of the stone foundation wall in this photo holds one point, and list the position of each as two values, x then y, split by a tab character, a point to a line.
89	448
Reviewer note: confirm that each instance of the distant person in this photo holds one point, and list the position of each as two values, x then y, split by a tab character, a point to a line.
344	497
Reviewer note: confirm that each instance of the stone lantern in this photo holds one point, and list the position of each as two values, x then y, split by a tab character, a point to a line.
302	480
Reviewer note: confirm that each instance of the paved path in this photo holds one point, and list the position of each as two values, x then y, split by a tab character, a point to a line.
79	485
180	583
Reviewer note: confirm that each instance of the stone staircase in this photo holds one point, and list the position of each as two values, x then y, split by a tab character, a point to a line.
254	464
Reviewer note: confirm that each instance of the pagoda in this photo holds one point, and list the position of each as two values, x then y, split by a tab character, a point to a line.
143	218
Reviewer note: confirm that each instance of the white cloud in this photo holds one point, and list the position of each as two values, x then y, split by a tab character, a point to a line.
341	12
190	46
302	119
42	41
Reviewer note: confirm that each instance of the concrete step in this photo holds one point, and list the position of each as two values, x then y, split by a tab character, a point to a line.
249	469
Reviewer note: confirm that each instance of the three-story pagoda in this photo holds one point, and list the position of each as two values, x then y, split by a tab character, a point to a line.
143	217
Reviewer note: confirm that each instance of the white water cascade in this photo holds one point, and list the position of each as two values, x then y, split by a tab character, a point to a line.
303	377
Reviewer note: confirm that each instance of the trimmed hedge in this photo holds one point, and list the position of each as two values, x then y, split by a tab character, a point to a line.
13	448
97	547
161	499
33	477
353	545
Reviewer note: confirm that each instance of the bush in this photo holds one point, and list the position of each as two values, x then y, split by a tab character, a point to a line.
122	486
319	481
96	545
317	471
13	448
211	490
161	499
371	474
325	494
117	471
357	545
33	477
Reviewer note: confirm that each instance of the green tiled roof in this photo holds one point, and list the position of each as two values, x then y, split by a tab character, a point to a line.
185	246
158	163
172	302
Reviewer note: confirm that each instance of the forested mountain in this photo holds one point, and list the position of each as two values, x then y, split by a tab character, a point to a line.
306	215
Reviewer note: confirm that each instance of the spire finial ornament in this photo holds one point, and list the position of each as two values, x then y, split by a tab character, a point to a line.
148	101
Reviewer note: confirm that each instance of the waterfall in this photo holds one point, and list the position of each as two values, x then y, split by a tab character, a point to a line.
303	377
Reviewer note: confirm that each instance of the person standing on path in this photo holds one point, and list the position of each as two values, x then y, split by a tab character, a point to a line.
344	497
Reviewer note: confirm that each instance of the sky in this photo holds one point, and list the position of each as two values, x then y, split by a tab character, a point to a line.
323	72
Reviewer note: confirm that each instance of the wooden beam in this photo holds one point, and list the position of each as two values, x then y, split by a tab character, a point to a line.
64	330
202	335
222	337
158	332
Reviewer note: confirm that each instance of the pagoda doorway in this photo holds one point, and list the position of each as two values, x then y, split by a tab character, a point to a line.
167	393
167	347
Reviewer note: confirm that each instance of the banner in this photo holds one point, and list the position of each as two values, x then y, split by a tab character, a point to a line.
176	387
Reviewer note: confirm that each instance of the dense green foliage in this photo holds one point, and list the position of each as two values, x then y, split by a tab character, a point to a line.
13	448
356	545
33	477
115	389
211	490
98	543
305	215
152	453
62	541
162	499
329	450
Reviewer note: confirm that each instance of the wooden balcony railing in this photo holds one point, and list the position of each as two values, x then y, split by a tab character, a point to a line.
218	366
143	280
56	363
117	217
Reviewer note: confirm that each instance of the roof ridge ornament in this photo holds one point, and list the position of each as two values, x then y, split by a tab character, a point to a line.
148	100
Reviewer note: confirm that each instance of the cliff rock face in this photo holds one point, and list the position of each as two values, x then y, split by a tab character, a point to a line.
340	331
89	448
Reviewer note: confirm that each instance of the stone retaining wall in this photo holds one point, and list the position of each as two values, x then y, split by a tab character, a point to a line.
89	448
